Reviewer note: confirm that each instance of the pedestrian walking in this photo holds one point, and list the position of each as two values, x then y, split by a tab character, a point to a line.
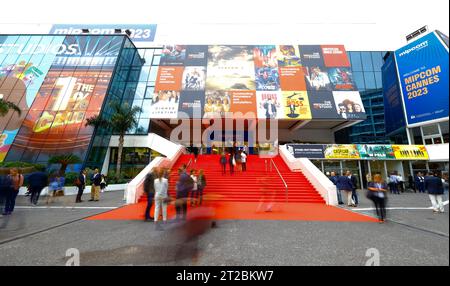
393	183
377	194
195	151
244	161
223	163
354	180
149	190
81	185
161	186
37	181
103	184
16	179
334	180
232	162
194	191
344	183
183	187
435	189
420	182
95	188
201	185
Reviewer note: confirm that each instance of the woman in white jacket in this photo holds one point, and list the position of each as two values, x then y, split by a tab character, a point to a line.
161	186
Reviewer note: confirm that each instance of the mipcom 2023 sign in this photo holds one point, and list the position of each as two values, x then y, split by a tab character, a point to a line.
139	33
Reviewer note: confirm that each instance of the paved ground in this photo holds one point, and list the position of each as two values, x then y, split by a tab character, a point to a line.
411	237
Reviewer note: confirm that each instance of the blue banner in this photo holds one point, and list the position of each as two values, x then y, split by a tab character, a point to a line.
423	74
139	33
394	116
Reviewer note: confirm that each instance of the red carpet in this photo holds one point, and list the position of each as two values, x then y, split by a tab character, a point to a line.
237	197
247	211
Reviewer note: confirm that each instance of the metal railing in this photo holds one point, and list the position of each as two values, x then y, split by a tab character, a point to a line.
281	176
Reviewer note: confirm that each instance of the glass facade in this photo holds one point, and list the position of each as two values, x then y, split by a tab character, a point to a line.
366	70
58	82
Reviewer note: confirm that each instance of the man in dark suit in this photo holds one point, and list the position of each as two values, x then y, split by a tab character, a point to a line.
36	182
81	184
149	189
435	189
344	183
354	181
420	182
184	185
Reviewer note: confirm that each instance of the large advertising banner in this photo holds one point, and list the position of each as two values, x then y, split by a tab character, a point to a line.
173	55
341	152
24	63
296	105
292	78
341	79
191	103
424	79
230	68
311	151
288	56
410	152
382	152
69	94
170	78
394	116
312	56
317	78
323	105
335	56
349	104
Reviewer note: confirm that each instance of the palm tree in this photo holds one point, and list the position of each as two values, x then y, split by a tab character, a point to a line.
6	106
124	118
64	160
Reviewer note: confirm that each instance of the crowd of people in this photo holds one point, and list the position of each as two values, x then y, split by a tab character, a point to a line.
432	183
189	188
36	182
236	159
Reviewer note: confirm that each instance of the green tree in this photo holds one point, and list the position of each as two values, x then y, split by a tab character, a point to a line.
64	160
6	106
124	118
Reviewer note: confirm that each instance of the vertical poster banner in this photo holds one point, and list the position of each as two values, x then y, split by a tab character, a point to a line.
288	56
194	78
424	78
217	103
169	78
164	104
243	104
349	105
317	78
191	104
312	56
270	105
341	78
335	56
73	90
230	68
24	63
296	105
380	152
292	78
394	116
322	105
173	55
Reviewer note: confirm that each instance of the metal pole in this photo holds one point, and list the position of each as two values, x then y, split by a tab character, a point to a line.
342	169
360	175
323	167
385	169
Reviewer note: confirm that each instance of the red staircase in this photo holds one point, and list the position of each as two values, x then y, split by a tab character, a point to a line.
249	186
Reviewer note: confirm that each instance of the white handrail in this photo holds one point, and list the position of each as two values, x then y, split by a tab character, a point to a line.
281	176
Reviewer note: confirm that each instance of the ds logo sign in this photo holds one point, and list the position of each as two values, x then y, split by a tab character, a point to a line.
37	49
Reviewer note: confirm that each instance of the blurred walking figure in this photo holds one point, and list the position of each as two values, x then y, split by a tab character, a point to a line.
377	193
334	180
244	161
223	163
267	196
37	181
16	179
195	151
194	191
201	185
81	185
355	184
232	162
345	184
161	185
435	189
149	189
95	189
5	185
183	187
393	183
103	184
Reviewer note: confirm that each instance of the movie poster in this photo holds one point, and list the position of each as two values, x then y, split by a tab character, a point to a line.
230	68
265	56
335	56
317	78
311	55
194	78
334	151
288	56
196	56
296	105
267	79
191	103
349	105
322	105
173	55
164	104
217	104
341	78
270	105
